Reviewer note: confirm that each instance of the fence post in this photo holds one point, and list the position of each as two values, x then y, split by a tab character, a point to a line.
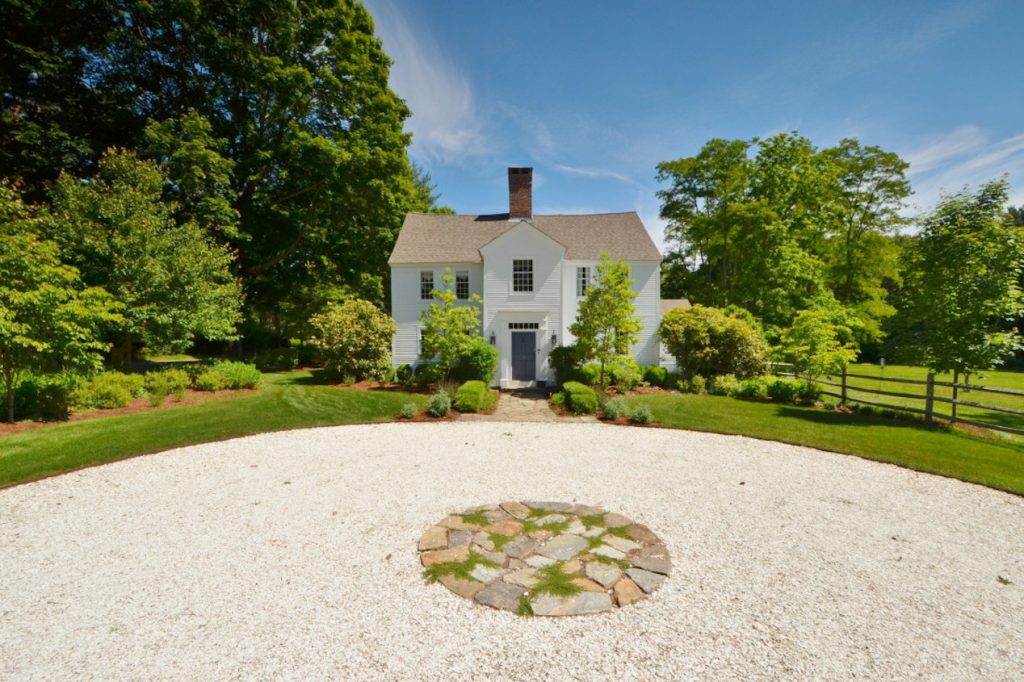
929	400
956	380
844	387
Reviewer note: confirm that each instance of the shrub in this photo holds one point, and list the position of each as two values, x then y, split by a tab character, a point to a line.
694	384
408	411
708	342
590	374
470	396
558	399
38	396
615	408
784	390
440	405
655	375
354	338
233	375
754	388
625	373
403	375
167	382
477	362
725	384
810	392
108	390
641	415
426	373
564	363
579	399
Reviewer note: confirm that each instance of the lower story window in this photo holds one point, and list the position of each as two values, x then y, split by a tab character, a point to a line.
582	280
427	285
462	285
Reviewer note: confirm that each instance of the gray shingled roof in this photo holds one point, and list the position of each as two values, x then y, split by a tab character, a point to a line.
438	238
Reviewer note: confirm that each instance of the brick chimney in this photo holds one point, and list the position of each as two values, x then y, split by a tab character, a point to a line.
520	193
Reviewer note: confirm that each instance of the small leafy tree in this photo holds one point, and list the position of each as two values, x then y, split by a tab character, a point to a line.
606	326
355	339
819	342
961	291
710	342
449	328
173	279
48	320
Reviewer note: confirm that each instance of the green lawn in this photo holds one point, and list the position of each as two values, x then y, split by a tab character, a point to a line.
997	463
285	401
997	379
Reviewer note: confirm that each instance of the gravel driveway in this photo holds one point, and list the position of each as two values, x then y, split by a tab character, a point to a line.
293	555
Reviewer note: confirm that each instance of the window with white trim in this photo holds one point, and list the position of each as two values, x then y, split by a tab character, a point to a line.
582	280
427	285
522	276
462	285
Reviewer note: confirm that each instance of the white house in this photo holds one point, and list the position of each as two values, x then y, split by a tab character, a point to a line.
530	271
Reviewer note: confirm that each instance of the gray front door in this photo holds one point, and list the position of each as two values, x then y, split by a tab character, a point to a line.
524	356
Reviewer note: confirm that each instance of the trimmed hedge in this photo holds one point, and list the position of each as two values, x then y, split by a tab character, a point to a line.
108	390
470	396
224	375
579	399
477	362
655	375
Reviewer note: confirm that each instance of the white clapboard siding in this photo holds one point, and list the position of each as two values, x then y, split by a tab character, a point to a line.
406	303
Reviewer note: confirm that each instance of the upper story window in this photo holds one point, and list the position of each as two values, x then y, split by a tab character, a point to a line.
427	285
462	285
582	280
522	276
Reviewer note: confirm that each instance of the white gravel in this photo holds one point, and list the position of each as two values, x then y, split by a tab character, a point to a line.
293	555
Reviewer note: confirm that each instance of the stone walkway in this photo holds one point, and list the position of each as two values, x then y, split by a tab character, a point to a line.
524	405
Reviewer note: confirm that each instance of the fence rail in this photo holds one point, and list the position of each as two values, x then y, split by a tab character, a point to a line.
929	399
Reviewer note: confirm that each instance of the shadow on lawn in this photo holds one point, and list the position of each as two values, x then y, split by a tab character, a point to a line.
832	418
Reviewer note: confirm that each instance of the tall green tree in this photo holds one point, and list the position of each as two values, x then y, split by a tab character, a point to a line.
961	286
819	342
49	321
173	279
606	325
274	122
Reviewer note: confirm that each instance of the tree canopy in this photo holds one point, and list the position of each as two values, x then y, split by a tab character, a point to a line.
775	225
961	292
606	325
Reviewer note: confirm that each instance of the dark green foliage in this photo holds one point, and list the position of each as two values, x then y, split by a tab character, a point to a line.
276	359
167	382
108	390
655	375
470	396
564	362
578	398
783	390
42	397
228	375
403	374
616	408
641	415
427	373
477	362
440	405
707	341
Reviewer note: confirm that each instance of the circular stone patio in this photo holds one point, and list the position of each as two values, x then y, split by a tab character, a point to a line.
295	555
545	558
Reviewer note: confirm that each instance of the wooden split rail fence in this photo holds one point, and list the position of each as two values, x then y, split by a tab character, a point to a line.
929	400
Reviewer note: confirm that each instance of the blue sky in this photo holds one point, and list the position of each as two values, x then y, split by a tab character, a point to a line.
594	94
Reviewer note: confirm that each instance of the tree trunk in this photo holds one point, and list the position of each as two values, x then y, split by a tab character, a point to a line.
126	351
9	383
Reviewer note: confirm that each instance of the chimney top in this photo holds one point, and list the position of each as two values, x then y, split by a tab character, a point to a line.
520	193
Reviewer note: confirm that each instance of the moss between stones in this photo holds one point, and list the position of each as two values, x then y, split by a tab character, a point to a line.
477	518
458	569
555	581
592	520
620	532
499	540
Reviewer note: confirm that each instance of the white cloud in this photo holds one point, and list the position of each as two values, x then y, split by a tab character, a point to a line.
446	123
595	173
966	155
